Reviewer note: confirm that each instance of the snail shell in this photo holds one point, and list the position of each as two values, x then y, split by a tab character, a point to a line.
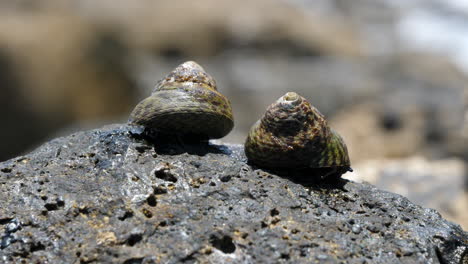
186	103
295	135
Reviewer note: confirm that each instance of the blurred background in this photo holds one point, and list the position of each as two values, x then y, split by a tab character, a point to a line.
390	75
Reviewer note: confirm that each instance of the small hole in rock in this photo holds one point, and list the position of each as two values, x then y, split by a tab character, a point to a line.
126	215
37	246
83	210
159	190
274	212
196	164
4	221
225	178
165	175
147	213
134	261
142	148
224	243
6	170
151	200
51	206
133	239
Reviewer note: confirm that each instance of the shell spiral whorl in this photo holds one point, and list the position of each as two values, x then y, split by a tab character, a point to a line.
187	103
295	135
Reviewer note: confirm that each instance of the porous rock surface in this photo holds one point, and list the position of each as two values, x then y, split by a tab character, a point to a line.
109	196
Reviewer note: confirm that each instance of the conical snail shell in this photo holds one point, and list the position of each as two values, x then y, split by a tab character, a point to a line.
295	135
187	103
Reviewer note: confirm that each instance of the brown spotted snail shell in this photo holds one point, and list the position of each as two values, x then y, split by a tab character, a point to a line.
295	135
186	103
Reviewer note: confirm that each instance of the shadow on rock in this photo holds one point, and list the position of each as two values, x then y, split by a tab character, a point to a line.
175	145
312	178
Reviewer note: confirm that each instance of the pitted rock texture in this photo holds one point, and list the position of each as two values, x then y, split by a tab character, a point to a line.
109	196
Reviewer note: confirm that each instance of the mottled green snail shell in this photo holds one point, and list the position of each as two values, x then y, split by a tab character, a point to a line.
186	103
295	135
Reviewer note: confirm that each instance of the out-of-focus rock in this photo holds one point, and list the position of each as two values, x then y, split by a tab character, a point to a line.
438	184
69	68
65	70
380	134
108	196
207	27
412	114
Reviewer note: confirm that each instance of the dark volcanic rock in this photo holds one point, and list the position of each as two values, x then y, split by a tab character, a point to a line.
106	196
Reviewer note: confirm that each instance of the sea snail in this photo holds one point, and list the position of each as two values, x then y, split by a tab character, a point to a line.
186	103
294	135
